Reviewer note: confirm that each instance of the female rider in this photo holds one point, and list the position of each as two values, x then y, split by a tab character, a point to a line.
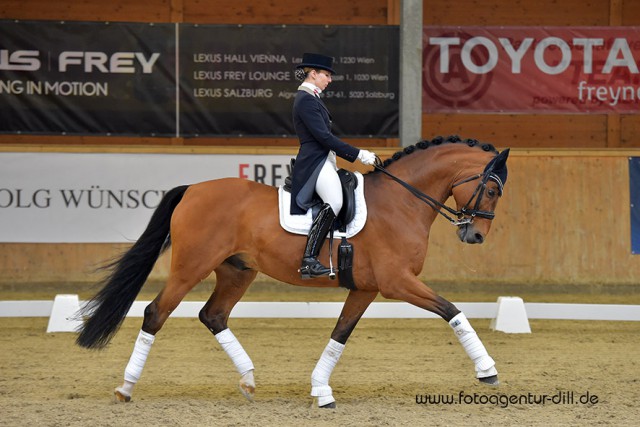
315	171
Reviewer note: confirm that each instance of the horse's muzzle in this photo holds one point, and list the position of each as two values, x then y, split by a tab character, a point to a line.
468	234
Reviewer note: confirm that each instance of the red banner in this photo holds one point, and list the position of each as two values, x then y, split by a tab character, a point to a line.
531	69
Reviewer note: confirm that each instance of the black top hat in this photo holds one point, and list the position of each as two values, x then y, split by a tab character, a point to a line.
317	61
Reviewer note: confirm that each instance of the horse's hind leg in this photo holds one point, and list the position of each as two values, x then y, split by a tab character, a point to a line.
232	282
353	309
181	280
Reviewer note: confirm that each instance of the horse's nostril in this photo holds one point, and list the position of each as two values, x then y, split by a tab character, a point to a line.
479	238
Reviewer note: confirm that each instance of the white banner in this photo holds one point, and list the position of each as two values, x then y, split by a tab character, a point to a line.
106	198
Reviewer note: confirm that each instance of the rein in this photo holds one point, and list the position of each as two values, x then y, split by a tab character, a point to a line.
464	215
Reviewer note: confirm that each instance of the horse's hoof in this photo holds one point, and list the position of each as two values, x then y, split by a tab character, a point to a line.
331	405
492	380
247	386
121	396
326	402
247	391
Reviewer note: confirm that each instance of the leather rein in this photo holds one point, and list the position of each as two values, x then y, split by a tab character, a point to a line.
465	215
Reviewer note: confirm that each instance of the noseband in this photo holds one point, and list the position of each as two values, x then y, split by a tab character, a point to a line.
466	214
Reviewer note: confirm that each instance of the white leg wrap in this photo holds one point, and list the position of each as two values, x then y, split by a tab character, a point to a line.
234	350
139	357
320	377
485	366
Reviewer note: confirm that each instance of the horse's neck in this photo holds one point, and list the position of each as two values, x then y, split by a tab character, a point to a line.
432	171
429	172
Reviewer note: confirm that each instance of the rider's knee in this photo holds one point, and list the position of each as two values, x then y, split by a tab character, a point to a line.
336	204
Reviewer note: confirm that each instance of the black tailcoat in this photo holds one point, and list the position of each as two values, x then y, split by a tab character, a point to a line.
312	123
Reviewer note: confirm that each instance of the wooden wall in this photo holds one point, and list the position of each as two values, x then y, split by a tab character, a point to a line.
527	131
564	218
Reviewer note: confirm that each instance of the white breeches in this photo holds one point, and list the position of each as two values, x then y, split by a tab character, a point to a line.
328	184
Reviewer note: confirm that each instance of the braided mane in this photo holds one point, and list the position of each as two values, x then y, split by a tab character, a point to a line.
438	140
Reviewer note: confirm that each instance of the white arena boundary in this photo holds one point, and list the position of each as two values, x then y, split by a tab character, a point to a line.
508	314
377	310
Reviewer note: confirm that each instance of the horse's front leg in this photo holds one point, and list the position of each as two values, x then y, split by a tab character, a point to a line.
353	309
485	366
417	293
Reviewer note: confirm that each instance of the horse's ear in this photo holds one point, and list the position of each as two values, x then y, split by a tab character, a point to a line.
496	169
500	168
501	160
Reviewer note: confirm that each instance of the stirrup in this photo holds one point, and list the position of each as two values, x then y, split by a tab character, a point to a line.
312	268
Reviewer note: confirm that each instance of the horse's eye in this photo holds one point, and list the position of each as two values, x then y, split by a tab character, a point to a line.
491	192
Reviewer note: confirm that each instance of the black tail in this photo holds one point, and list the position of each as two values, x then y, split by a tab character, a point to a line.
108	308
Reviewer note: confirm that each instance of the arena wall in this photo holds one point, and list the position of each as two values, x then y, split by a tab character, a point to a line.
564	217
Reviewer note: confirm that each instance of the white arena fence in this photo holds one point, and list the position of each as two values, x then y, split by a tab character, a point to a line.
508	314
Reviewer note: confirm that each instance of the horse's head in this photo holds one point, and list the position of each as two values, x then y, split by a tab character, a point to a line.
476	199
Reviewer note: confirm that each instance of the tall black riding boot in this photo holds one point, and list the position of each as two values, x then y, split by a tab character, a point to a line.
311	267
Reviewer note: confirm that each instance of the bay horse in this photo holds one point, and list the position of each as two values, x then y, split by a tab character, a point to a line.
231	227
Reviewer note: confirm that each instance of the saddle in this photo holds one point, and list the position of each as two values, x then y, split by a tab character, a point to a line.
349	183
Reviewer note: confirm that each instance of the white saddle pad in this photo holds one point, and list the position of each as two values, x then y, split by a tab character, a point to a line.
300	224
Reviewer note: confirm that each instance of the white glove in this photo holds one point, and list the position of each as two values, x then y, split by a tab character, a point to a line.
367	157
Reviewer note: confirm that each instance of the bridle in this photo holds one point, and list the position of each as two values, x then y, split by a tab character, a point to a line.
466	214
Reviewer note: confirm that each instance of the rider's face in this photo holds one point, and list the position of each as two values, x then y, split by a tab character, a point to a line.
322	78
